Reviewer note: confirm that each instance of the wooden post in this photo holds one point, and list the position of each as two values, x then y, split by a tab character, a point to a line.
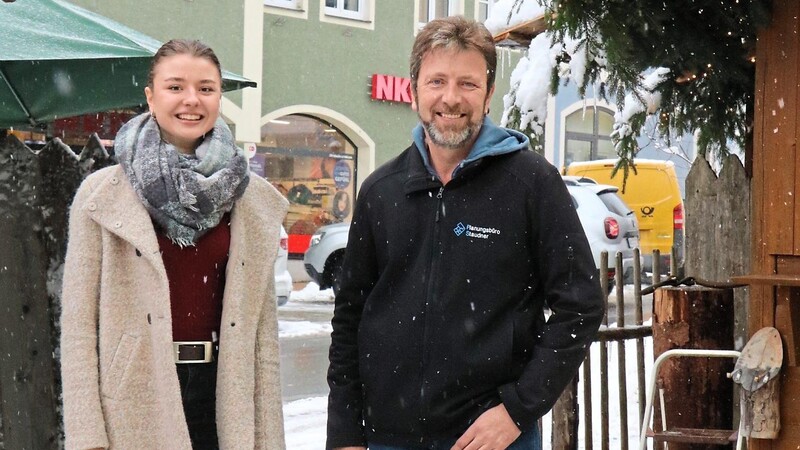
697	393
761	410
565	419
756	371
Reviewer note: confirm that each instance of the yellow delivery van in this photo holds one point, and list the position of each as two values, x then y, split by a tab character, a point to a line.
654	194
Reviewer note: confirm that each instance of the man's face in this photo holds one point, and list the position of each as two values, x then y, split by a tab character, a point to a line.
452	96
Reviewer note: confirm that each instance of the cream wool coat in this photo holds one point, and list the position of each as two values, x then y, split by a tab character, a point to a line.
121	388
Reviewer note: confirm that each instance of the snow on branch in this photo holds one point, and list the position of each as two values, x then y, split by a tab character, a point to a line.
537	75
644	100
507	14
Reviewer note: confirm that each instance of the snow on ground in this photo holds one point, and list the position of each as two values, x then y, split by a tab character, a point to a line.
305	420
292	328
311	293
310	298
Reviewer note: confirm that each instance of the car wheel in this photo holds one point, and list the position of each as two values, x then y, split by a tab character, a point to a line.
282	300
335	267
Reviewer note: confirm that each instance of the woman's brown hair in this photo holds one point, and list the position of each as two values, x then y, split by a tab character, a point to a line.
183	47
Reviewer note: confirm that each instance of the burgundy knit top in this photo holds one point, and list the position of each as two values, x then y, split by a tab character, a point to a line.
197	282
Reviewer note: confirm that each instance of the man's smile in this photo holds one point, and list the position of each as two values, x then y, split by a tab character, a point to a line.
451	115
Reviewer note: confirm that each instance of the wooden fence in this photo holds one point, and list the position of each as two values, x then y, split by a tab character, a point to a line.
35	190
579	407
717	247
718	230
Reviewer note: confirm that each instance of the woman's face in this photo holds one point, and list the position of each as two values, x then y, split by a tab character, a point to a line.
184	99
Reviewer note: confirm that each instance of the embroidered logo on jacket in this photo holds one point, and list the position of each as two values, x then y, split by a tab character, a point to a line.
474	232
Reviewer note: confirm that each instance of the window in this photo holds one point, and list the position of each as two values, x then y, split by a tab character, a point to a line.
435	9
587	135
482	9
348	9
288	4
313	164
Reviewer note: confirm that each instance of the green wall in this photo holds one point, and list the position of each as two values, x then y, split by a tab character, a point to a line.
206	20
311	62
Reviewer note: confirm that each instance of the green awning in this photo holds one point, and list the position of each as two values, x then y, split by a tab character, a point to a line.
58	60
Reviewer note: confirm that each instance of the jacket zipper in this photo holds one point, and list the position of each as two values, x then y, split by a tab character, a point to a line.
432	280
571	258
439	202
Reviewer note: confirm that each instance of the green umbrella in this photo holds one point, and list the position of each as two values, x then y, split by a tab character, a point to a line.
58	60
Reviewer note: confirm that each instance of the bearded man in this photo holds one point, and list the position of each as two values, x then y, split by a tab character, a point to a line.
440	338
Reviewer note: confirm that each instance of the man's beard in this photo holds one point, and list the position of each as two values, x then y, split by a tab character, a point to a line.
452	138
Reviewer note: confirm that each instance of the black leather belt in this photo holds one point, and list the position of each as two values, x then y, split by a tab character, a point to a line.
193	352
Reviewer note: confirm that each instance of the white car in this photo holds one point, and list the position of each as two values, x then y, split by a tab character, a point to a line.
283	279
608	222
323	259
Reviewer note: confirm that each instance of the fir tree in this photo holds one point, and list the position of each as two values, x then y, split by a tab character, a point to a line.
708	47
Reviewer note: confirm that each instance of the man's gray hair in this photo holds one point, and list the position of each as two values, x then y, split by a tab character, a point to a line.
454	32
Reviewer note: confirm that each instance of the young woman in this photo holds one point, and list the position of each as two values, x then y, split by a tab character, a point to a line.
168	293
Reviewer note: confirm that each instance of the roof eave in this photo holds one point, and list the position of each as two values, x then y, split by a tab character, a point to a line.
521	34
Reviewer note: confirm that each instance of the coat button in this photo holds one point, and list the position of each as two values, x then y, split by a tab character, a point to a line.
117	224
114	180
92	206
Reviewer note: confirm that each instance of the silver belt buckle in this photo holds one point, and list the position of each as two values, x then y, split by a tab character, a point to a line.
207	351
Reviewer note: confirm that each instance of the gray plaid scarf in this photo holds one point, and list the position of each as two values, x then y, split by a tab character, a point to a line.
185	195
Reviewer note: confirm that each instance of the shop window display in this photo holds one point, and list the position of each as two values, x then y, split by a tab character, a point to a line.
313	164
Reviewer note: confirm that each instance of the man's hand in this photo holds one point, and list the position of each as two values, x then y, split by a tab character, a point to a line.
494	430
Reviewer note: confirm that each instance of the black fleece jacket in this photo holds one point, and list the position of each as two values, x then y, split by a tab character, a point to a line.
440	315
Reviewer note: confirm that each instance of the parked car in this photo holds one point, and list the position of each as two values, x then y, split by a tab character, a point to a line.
323	259
283	279
608	222
655	195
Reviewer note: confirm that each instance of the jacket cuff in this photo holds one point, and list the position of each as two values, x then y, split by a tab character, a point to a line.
521	416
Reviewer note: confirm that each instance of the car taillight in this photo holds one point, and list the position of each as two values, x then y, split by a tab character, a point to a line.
677	217
285	243
612	227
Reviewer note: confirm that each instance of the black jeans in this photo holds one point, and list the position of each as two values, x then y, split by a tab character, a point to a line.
198	391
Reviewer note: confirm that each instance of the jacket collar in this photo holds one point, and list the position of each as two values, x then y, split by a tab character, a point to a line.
492	141
115	206
418	177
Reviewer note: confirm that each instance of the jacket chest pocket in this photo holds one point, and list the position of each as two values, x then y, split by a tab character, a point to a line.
112	378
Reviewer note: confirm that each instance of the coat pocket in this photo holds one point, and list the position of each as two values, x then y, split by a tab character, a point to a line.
112	377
